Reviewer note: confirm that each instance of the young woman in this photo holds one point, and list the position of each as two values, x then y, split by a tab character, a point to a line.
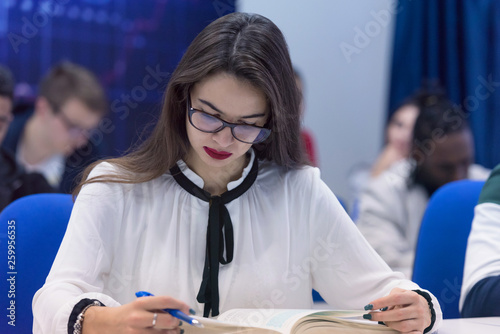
226	150
399	133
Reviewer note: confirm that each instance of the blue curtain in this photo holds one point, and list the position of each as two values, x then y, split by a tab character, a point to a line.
456	44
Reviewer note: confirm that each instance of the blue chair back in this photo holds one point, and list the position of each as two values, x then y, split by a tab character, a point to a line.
442	241
32	229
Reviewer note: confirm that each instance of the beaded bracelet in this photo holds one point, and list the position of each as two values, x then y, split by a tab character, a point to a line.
431	307
78	326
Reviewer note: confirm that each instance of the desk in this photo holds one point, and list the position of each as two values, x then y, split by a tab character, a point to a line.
471	326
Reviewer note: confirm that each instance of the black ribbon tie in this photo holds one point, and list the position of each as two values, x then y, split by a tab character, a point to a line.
220	235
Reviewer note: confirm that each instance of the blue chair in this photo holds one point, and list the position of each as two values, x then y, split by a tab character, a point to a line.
317	297
32	229
440	252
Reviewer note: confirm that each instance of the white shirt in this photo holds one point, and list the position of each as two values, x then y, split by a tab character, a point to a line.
290	235
482	258
51	168
483	248
391	210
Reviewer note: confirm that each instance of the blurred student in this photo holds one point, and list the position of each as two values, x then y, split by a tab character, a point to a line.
480	295
307	137
14	182
398	135
69	105
393	204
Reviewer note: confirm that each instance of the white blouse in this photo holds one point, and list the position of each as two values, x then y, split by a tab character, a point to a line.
290	235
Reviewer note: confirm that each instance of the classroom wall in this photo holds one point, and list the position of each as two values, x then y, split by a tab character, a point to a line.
343	49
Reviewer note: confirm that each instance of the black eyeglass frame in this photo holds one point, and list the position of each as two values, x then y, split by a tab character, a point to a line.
70	126
225	124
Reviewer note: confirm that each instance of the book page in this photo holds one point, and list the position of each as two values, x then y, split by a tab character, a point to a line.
287	321
250	321
213	326
281	320
328	325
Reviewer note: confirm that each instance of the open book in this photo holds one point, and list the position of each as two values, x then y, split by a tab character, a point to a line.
288	322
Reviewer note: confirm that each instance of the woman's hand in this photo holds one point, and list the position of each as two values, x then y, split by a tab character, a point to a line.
389	155
407	311
135	317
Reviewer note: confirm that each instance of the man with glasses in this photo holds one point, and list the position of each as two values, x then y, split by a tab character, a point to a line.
14	182
70	104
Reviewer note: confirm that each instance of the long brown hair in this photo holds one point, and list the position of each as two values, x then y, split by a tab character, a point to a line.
248	46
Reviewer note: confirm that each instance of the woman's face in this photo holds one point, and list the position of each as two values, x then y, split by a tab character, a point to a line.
232	100
400	129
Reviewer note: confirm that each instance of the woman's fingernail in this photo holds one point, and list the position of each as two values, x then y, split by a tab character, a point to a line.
367	316
180	323
384	309
191	311
182	331
368	307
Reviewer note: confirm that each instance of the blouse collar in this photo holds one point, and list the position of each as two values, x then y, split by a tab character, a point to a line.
196	179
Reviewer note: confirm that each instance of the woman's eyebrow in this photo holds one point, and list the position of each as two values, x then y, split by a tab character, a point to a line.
222	113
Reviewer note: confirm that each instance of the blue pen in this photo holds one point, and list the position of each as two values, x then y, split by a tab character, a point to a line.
173	312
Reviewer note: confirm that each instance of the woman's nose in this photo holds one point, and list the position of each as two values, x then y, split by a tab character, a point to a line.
224	137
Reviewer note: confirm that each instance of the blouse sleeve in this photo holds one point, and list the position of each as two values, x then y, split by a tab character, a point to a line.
83	257
349	273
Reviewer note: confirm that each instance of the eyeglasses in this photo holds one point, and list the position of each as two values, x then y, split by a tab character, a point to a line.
72	127
249	134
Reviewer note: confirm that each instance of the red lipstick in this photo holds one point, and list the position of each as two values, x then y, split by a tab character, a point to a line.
219	155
